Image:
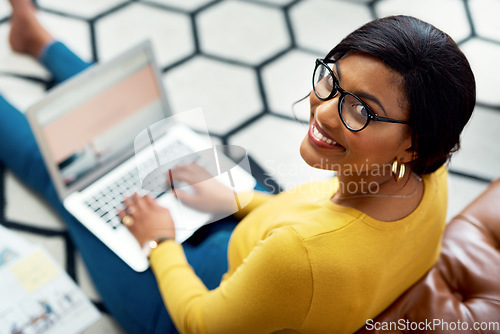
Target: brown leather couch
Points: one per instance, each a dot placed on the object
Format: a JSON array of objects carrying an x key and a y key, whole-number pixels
[{"x": 461, "y": 293}]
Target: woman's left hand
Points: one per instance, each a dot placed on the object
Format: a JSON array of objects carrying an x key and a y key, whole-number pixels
[{"x": 145, "y": 219}]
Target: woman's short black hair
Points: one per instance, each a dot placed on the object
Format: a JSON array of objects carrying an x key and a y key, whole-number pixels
[{"x": 438, "y": 81}]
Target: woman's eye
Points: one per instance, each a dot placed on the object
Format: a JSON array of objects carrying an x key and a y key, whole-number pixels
[{"x": 360, "y": 109}]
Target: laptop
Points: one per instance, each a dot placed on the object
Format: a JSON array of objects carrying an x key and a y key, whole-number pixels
[{"x": 109, "y": 132}]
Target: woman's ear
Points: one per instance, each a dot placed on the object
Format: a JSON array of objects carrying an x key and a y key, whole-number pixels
[
  {"x": 414, "y": 155},
  {"x": 409, "y": 155}
]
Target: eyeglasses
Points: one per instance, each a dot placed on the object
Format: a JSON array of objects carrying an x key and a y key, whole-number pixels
[{"x": 354, "y": 113}]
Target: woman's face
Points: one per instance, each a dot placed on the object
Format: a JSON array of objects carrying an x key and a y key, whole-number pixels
[{"x": 376, "y": 146}]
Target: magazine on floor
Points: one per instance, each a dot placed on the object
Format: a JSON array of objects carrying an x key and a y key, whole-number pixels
[{"x": 37, "y": 295}]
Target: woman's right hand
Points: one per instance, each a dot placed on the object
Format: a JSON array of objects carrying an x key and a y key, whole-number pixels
[{"x": 206, "y": 193}]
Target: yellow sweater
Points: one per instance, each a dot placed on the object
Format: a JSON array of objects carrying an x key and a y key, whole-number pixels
[{"x": 301, "y": 264}]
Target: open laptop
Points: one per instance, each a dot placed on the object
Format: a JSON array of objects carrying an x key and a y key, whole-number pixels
[{"x": 89, "y": 131}]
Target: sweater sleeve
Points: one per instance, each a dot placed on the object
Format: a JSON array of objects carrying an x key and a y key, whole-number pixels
[
  {"x": 251, "y": 200},
  {"x": 270, "y": 291}
]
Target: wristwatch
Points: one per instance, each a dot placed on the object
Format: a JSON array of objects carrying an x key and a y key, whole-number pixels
[{"x": 152, "y": 244}]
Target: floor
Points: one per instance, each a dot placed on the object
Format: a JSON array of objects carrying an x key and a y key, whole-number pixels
[{"x": 244, "y": 63}]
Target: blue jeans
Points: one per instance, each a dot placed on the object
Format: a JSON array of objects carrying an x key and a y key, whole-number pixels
[{"x": 132, "y": 298}]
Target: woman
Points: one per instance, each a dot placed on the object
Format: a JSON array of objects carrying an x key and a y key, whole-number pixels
[{"x": 388, "y": 105}]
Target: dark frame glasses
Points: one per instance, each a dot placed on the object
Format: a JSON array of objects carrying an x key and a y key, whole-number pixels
[{"x": 354, "y": 113}]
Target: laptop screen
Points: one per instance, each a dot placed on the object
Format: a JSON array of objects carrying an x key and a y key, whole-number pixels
[{"x": 94, "y": 121}]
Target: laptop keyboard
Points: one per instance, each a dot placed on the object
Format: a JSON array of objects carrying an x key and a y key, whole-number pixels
[{"x": 105, "y": 201}]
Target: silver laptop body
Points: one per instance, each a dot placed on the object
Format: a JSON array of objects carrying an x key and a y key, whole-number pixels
[{"x": 86, "y": 128}]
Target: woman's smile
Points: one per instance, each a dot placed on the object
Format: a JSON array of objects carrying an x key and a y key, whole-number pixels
[{"x": 318, "y": 137}]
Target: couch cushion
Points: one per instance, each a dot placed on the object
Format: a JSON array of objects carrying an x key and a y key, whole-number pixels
[{"x": 462, "y": 291}]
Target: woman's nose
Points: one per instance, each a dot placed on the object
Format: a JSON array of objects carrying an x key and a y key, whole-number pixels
[{"x": 327, "y": 112}]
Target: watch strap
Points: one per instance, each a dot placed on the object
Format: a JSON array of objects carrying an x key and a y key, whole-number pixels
[{"x": 154, "y": 243}]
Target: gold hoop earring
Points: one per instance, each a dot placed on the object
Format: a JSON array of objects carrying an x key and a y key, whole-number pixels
[{"x": 398, "y": 170}]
